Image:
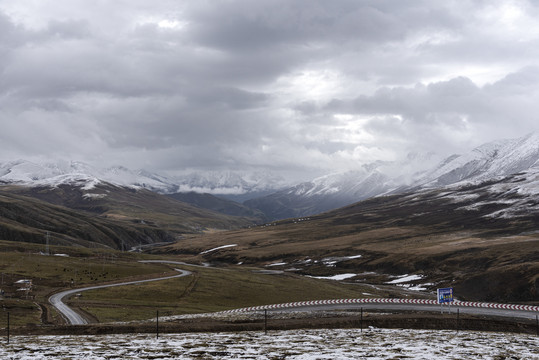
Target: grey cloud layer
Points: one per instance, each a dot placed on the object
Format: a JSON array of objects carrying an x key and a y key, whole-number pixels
[{"x": 307, "y": 86}]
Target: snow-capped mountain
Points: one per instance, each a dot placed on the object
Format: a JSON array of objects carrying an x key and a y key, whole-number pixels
[
  {"x": 80, "y": 174},
  {"x": 485, "y": 163},
  {"x": 23, "y": 172},
  {"x": 229, "y": 183},
  {"x": 489, "y": 161},
  {"x": 344, "y": 188},
  {"x": 511, "y": 196},
  {"x": 323, "y": 193}
]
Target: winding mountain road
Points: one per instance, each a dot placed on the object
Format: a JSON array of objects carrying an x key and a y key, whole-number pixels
[
  {"x": 74, "y": 318},
  {"x": 487, "y": 309}
]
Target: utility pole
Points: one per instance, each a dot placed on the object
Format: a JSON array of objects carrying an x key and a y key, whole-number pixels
[
  {"x": 47, "y": 246},
  {"x": 157, "y": 324}
]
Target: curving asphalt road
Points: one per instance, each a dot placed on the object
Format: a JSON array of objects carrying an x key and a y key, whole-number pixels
[
  {"x": 487, "y": 309},
  {"x": 515, "y": 314},
  {"x": 74, "y": 318},
  {"x": 474, "y": 308}
]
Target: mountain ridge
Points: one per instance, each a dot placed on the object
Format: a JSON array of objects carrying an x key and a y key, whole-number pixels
[
  {"x": 29, "y": 173},
  {"x": 479, "y": 238},
  {"x": 487, "y": 161}
]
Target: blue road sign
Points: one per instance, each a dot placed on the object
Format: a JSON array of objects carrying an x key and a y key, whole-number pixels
[{"x": 445, "y": 295}]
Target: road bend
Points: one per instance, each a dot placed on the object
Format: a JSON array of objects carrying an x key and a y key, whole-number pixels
[{"x": 74, "y": 318}]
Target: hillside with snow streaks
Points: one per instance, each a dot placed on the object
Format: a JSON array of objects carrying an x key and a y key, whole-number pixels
[
  {"x": 487, "y": 162},
  {"x": 78, "y": 174},
  {"x": 495, "y": 159},
  {"x": 271, "y": 195}
]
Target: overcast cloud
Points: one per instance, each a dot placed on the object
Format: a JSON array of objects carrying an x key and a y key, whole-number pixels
[{"x": 299, "y": 88}]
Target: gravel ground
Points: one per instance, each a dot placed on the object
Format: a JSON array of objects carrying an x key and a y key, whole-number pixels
[{"x": 372, "y": 343}]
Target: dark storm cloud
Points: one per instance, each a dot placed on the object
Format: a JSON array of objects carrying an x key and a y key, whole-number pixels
[
  {"x": 447, "y": 113},
  {"x": 311, "y": 85},
  {"x": 248, "y": 26}
]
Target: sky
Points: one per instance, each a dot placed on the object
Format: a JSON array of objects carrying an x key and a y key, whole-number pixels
[{"x": 298, "y": 88}]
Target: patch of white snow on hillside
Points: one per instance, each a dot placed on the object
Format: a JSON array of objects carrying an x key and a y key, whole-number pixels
[
  {"x": 405, "y": 278},
  {"x": 331, "y": 261},
  {"x": 335, "y": 277},
  {"x": 91, "y": 184},
  {"x": 93, "y": 196},
  {"x": 456, "y": 198},
  {"x": 420, "y": 287},
  {"x": 478, "y": 205},
  {"x": 276, "y": 264},
  {"x": 217, "y": 248}
]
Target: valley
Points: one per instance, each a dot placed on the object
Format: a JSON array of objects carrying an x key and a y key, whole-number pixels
[
  {"x": 440, "y": 236},
  {"x": 470, "y": 223},
  {"x": 206, "y": 289}
]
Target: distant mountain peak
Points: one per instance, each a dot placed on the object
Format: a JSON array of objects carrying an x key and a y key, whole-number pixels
[
  {"x": 79, "y": 173},
  {"x": 490, "y": 160}
]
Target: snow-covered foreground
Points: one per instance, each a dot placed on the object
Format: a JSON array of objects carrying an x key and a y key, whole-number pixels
[{"x": 297, "y": 344}]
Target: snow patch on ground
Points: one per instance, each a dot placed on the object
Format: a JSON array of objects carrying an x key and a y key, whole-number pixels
[
  {"x": 276, "y": 264},
  {"x": 457, "y": 198},
  {"x": 217, "y": 248},
  {"x": 405, "y": 279},
  {"x": 331, "y": 261},
  {"x": 93, "y": 196},
  {"x": 335, "y": 277},
  {"x": 342, "y": 344},
  {"x": 420, "y": 287}
]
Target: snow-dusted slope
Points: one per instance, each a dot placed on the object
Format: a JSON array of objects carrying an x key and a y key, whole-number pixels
[
  {"x": 23, "y": 172},
  {"x": 340, "y": 189},
  {"x": 84, "y": 175},
  {"x": 509, "y": 197},
  {"x": 498, "y": 158},
  {"x": 229, "y": 183},
  {"x": 487, "y": 162}
]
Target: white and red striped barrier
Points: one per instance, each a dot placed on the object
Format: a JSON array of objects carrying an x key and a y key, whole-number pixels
[{"x": 382, "y": 301}]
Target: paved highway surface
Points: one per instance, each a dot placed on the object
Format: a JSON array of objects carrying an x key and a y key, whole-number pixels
[
  {"x": 487, "y": 309},
  {"x": 73, "y": 318},
  {"x": 520, "y": 314}
]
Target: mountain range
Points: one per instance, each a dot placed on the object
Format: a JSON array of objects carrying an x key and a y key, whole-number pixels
[
  {"x": 478, "y": 235},
  {"x": 52, "y": 173},
  {"x": 481, "y": 239},
  {"x": 469, "y": 222},
  {"x": 489, "y": 161}
]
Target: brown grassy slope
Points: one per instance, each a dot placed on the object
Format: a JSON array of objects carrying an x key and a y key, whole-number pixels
[
  {"x": 106, "y": 215},
  {"x": 484, "y": 258},
  {"x": 205, "y": 290}
]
